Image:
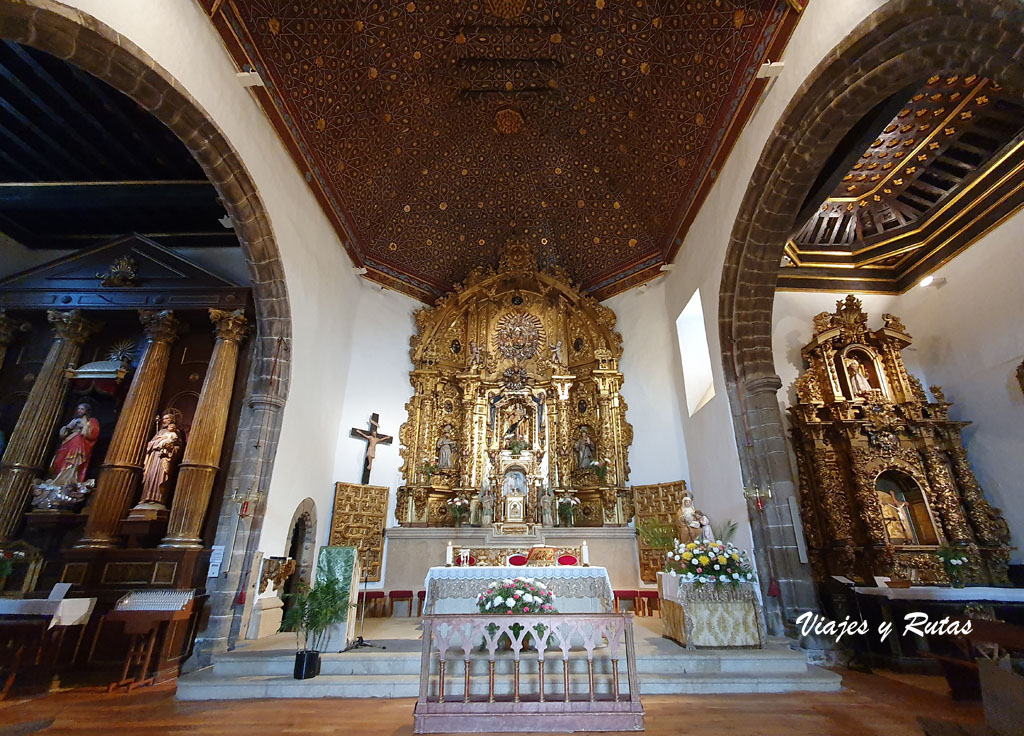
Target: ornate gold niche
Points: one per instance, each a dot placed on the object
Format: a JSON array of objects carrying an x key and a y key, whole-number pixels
[
  {"x": 884, "y": 476},
  {"x": 510, "y": 371}
]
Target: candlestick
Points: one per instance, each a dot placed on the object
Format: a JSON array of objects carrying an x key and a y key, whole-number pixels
[
  {"x": 586, "y": 554},
  {"x": 448, "y": 555}
]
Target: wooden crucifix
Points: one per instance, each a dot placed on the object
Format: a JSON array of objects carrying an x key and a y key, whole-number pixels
[{"x": 373, "y": 438}]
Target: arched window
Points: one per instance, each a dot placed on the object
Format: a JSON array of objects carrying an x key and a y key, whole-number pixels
[{"x": 904, "y": 510}]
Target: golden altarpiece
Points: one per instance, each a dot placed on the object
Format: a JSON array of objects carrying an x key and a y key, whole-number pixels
[
  {"x": 516, "y": 395},
  {"x": 884, "y": 476}
]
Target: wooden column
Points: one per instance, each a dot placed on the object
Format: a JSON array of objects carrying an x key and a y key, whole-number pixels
[
  {"x": 122, "y": 465},
  {"x": 8, "y": 328},
  {"x": 23, "y": 459},
  {"x": 202, "y": 453}
]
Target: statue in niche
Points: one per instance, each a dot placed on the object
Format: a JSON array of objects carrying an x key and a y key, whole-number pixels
[
  {"x": 475, "y": 354},
  {"x": 896, "y": 519},
  {"x": 445, "y": 446},
  {"x": 514, "y": 484},
  {"x": 585, "y": 449},
  {"x": 162, "y": 455},
  {"x": 547, "y": 507},
  {"x": 486, "y": 506},
  {"x": 687, "y": 523},
  {"x": 857, "y": 375},
  {"x": 78, "y": 437}
]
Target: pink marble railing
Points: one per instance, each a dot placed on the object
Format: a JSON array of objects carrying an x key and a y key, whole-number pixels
[{"x": 511, "y": 655}]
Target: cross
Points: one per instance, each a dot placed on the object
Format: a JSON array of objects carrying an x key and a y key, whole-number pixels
[{"x": 372, "y": 439}]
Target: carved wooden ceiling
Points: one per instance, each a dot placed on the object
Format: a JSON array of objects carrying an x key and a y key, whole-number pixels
[
  {"x": 435, "y": 132},
  {"x": 945, "y": 170}
]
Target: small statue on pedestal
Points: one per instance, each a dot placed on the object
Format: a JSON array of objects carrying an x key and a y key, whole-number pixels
[
  {"x": 445, "y": 446},
  {"x": 547, "y": 507},
  {"x": 162, "y": 455},
  {"x": 67, "y": 485},
  {"x": 687, "y": 523},
  {"x": 487, "y": 503}
]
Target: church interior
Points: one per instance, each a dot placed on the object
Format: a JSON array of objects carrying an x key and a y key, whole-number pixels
[{"x": 521, "y": 365}]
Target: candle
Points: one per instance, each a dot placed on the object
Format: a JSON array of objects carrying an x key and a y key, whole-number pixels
[
  {"x": 586, "y": 553},
  {"x": 448, "y": 555}
]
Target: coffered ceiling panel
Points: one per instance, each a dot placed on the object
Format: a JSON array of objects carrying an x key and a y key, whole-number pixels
[{"x": 433, "y": 133}]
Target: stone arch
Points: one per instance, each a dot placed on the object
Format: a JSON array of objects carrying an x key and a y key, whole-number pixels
[
  {"x": 902, "y": 42},
  {"x": 101, "y": 51}
]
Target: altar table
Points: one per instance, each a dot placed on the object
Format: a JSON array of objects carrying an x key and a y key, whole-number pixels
[
  {"x": 710, "y": 615},
  {"x": 576, "y": 589}
]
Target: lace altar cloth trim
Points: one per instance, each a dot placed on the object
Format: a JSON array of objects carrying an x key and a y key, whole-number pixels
[
  {"x": 711, "y": 616},
  {"x": 565, "y": 582}
]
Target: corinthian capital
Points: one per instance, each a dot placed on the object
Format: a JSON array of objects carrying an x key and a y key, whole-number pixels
[
  {"x": 160, "y": 326},
  {"x": 230, "y": 326},
  {"x": 71, "y": 325},
  {"x": 8, "y": 328}
]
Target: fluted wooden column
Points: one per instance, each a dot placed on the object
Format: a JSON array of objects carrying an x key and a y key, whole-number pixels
[
  {"x": 122, "y": 465},
  {"x": 8, "y": 328},
  {"x": 23, "y": 458},
  {"x": 202, "y": 453}
]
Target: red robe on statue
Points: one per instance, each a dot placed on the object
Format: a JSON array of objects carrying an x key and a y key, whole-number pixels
[{"x": 72, "y": 458}]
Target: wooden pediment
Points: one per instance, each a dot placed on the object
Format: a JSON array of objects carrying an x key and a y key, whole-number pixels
[{"x": 131, "y": 272}]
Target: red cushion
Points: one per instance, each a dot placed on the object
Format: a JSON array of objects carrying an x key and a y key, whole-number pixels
[
  {"x": 624, "y": 593},
  {"x": 400, "y": 594},
  {"x": 517, "y": 560},
  {"x": 371, "y": 594},
  {"x": 471, "y": 560},
  {"x": 421, "y": 594},
  {"x": 568, "y": 560},
  {"x": 648, "y": 594}
]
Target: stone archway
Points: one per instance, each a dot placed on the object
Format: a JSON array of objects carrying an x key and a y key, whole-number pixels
[
  {"x": 301, "y": 546},
  {"x": 902, "y": 42},
  {"x": 99, "y": 50}
]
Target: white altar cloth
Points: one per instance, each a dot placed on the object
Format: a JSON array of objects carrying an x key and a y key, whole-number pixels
[
  {"x": 935, "y": 593},
  {"x": 576, "y": 589},
  {"x": 64, "y": 612}
]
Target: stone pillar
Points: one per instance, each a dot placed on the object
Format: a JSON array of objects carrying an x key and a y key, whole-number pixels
[
  {"x": 122, "y": 465},
  {"x": 8, "y": 328},
  {"x": 201, "y": 461},
  {"x": 773, "y": 530},
  {"x": 23, "y": 458}
]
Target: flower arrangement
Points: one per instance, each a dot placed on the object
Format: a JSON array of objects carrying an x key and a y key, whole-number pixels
[
  {"x": 709, "y": 563},
  {"x": 601, "y": 469},
  {"x": 428, "y": 470},
  {"x": 516, "y": 595},
  {"x": 7, "y": 559},
  {"x": 953, "y": 561},
  {"x": 567, "y": 506},
  {"x": 458, "y": 507},
  {"x": 517, "y": 445}
]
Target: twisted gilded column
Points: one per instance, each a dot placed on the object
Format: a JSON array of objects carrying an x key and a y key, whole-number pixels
[
  {"x": 8, "y": 328},
  {"x": 123, "y": 463},
  {"x": 201, "y": 461},
  {"x": 23, "y": 458}
]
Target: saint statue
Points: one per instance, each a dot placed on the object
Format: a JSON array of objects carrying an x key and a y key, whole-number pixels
[
  {"x": 78, "y": 437},
  {"x": 515, "y": 483},
  {"x": 475, "y": 356},
  {"x": 858, "y": 377},
  {"x": 896, "y": 519},
  {"x": 584, "y": 449},
  {"x": 445, "y": 445},
  {"x": 556, "y": 353},
  {"x": 547, "y": 507},
  {"x": 687, "y": 523},
  {"x": 162, "y": 454},
  {"x": 487, "y": 504},
  {"x": 707, "y": 534}
]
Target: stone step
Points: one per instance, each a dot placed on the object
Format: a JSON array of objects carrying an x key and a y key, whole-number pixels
[
  {"x": 207, "y": 685},
  {"x": 279, "y": 663}
]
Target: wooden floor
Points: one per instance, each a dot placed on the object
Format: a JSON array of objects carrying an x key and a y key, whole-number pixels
[{"x": 868, "y": 705}]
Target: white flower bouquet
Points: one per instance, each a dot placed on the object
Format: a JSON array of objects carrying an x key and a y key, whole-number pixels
[{"x": 709, "y": 563}]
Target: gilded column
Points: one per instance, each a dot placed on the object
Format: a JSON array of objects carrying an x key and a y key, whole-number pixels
[
  {"x": 8, "y": 329},
  {"x": 23, "y": 459},
  {"x": 201, "y": 461},
  {"x": 944, "y": 498},
  {"x": 122, "y": 465}
]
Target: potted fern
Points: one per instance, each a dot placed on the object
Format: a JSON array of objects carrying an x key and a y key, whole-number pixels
[{"x": 311, "y": 616}]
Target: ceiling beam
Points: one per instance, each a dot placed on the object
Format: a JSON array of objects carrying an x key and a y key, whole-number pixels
[{"x": 15, "y": 196}]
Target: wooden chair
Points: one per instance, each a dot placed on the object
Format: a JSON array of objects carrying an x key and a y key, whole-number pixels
[
  {"x": 421, "y": 597},
  {"x": 624, "y": 595},
  {"x": 648, "y": 600},
  {"x": 372, "y": 600},
  {"x": 399, "y": 595}
]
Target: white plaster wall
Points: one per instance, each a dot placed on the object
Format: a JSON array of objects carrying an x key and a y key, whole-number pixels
[
  {"x": 710, "y": 441},
  {"x": 653, "y": 385},
  {"x": 378, "y": 381},
  {"x": 322, "y": 287},
  {"x": 967, "y": 339}
]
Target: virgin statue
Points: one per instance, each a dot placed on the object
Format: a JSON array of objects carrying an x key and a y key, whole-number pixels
[
  {"x": 687, "y": 524},
  {"x": 515, "y": 483},
  {"x": 584, "y": 449},
  {"x": 77, "y": 440},
  {"x": 162, "y": 453}
]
